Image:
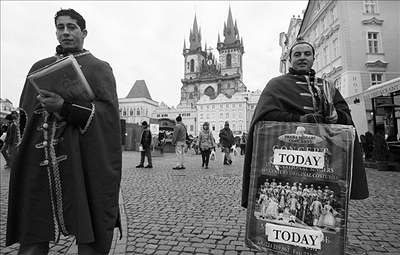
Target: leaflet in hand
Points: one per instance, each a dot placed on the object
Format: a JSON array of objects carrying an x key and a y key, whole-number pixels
[{"x": 65, "y": 78}]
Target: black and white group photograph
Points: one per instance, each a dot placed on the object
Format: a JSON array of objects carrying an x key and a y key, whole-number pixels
[{"x": 164, "y": 127}]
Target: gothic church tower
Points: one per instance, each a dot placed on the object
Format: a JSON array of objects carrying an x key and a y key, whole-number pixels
[
  {"x": 231, "y": 50},
  {"x": 203, "y": 74}
]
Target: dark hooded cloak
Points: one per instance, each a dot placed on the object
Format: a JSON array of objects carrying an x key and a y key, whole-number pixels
[{"x": 71, "y": 185}]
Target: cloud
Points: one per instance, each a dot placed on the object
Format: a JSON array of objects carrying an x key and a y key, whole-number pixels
[{"x": 144, "y": 40}]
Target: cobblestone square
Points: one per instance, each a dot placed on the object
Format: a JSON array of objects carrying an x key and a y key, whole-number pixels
[{"x": 197, "y": 211}]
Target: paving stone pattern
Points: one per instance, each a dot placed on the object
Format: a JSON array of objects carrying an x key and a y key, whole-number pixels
[{"x": 197, "y": 211}]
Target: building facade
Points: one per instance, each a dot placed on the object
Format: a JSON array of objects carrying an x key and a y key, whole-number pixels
[
  {"x": 138, "y": 105},
  {"x": 356, "y": 47},
  {"x": 188, "y": 114},
  {"x": 286, "y": 41},
  {"x": 212, "y": 87}
]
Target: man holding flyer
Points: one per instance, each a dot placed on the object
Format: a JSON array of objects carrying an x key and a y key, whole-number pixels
[
  {"x": 57, "y": 184},
  {"x": 299, "y": 96}
]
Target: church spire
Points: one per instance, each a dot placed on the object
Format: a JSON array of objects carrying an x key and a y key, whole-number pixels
[
  {"x": 195, "y": 36},
  {"x": 230, "y": 29}
]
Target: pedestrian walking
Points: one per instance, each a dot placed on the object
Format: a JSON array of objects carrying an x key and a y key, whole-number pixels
[
  {"x": 145, "y": 144},
  {"x": 179, "y": 140},
  {"x": 243, "y": 141},
  {"x": 226, "y": 140},
  {"x": 66, "y": 175},
  {"x": 206, "y": 143},
  {"x": 300, "y": 96}
]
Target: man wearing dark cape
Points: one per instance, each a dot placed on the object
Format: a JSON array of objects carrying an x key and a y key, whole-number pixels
[
  {"x": 67, "y": 172},
  {"x": 299, "y": 96}
]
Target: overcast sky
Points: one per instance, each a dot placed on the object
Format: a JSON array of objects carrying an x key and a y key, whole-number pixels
[{"x": 144, "y": 40}]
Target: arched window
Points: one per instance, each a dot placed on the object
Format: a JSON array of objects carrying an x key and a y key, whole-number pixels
[
  {"x": 228, "y": 60},
  {"x": 192, "y": 65}
]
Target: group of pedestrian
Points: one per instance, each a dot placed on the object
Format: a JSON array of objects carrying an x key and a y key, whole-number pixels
[
  {"x": 205, "y": 142},
  {"x": 66, "y": 173}
]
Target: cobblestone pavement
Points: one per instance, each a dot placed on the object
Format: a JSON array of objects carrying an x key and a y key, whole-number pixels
[{"x": 197, "y": 211}]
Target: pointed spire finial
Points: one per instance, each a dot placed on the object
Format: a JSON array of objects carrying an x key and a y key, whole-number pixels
[
  {"x": 230, "y": 29},
  {"x": 195, "y": 35}
]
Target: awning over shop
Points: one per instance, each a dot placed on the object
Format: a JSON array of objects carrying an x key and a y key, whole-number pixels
[{"x": 383, "y": 88}]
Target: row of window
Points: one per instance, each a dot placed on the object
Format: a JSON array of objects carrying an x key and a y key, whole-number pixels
[
  {"x": 330, "y": 51},
  {"x": 326, "y": 54},
  {"x": 165, "y": 115},
  {"x": 325, "y": 22},
  {"x": 134, "y": 111},
  {"x": 233, "y": 126},
  {"x": 220, "y": 106},
  {"x": 190, "y": 64},
  {"x": 221, "y": 115}
]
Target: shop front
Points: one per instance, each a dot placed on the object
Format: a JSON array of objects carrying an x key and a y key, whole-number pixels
[
  {"x": 385, "y": 112},
  {"x": 384, "y": 115}
]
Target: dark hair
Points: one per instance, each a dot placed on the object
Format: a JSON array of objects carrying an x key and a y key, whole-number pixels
[
  {"x": 73, "y": 14},
  {"x": 301, "y": 42},
  {"x": 144, "y": 123},
  {"x": 179, "y": 118}
]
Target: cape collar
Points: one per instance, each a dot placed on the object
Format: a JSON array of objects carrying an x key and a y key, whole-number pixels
[
  {"x": 62, "y": 52},
  {"x": 297, "y": 72}
]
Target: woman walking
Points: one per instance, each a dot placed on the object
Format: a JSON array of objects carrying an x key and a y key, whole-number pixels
[{"x": 206, "y": 142}]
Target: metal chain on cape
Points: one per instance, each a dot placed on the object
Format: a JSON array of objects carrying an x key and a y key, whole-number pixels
[
  {"x": 54, "y": 173},
  {"x": 57, "y": 180},
  {"x": 46, "y": 156}
]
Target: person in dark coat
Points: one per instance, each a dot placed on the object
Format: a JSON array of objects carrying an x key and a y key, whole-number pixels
[
  {"x": 13, "y": 138},
  {"x": 299, "y": 97},
  {"x": 243, "y": 141},
  {"x": 67, "y": 172},
  {"x": 226, "y": 140},
  {"x": 145, "y": 142},
  {"x": 369, "y": 145}
]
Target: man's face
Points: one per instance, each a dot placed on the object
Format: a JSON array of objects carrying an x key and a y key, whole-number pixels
[
  {"x": 69, "y": 34},
  {"x": 302, "y": 57}
]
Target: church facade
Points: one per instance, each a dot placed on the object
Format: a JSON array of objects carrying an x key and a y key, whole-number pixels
[
  {"x": 204, "y": 74},
  {"x": 212, "y": 87}
]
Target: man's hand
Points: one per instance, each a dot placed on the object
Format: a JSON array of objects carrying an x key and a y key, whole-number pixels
[
  {"x": 332, "y": 119},
  {"x": 51, "y": 101},
  {"x": 312, "y": 118}
]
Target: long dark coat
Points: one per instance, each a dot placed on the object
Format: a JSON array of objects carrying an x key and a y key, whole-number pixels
[
  {"x": 89, "y": 168},
  {"x": 285, "y": 99}
]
